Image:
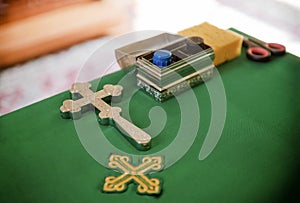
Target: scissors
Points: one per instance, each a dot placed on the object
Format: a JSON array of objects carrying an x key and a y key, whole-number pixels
[{"x": 262, "y": 51}]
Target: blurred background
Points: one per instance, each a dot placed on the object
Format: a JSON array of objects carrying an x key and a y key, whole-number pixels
[{"x": 45, "y": 43}]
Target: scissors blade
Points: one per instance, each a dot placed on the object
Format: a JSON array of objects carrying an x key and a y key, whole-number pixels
[{"x": 247, "y": 43}]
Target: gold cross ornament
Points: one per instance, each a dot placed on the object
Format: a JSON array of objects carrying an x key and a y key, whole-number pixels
[
  {"x": 137, "y": 174},
  {"x": 108, "y": 114}
]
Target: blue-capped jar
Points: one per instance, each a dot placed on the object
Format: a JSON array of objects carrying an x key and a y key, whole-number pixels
[{"x": 162, "y": 58}]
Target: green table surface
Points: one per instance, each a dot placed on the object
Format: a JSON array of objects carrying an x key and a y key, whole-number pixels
[{"x": 256, "y": 159}]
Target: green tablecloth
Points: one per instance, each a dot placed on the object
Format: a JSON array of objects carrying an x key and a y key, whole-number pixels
[{"x": 255, "y": 160}]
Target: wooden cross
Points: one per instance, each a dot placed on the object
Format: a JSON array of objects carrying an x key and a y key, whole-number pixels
[
  {"x": 132, "y": 173},
  {"x": 108, "y": 114}
]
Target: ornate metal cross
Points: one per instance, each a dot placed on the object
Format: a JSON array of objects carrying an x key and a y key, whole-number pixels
[
  {"x": 108, "y": 114},
  {"x": 133, "y": 173}
]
